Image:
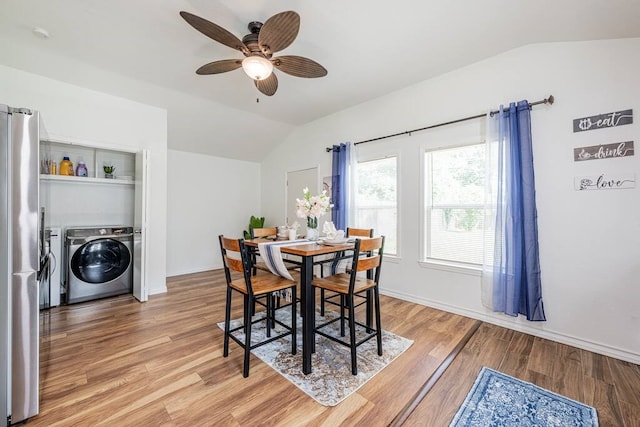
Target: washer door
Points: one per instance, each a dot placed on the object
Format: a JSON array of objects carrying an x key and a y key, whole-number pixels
[{"x": 100, "y": 261}]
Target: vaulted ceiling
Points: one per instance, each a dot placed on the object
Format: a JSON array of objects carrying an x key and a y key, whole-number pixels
[{"x": 143, "y": 50}]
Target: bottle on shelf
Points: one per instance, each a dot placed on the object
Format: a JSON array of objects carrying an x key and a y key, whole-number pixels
[
  {"x": 66, "y": 166},
  {"x": 81, "y": 170},
  {"x": 53, "y": 168}
]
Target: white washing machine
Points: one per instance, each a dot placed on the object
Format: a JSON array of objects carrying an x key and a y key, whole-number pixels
[
  {"x": 55, "y": 249},
  {"x": 99, "y": 262}
]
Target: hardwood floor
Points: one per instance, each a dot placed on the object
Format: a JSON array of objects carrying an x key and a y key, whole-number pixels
[
  {"x": 609, "y": 385},
  {"x": 119, "y": 362}
]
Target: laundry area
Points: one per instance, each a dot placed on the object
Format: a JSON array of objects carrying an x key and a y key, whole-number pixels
[{"x": 87, "y": 195}]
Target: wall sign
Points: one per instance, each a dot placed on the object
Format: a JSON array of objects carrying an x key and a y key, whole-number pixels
[
  {"x": 606, "y": 151},
  {"x": 608, "y": 120},
  {"x": 604, "y": 182}
]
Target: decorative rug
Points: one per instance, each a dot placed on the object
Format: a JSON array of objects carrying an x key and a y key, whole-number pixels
[
  {"x": 497, "y": 399},
  {"x": 331, "y": 380}
]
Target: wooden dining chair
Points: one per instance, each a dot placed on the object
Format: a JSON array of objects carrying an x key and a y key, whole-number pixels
[
  {"x": 359, "y": 232},
  {"x": 267, "y": 232},
  {"x": 333, "y": 298},
  {"x": 236, "y": 259},
  {"x": 367, "y": 257},
  {"x": 264, "y": 232}
]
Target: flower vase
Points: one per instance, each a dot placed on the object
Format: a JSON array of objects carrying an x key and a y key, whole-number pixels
[
  {"x": 313, "y": 234},
  {"x": 312, "y": 229}
]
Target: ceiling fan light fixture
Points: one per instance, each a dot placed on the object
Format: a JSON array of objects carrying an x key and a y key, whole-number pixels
[
  {"x": 276, "y": 34},
  {"x": 257, "y": 67}
]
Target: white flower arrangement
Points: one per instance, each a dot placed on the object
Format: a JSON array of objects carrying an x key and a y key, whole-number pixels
[{"x": 312, "y": 207}]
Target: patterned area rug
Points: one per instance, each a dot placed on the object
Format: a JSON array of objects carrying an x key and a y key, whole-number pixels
[
  {"x": 497, "y": 399},
  {"x": 331, "y": 380}
]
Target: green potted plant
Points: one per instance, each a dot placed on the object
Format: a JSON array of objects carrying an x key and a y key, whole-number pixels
[
  {"x": 108, "y": 170},
  {"x": 254, "y": 222}
]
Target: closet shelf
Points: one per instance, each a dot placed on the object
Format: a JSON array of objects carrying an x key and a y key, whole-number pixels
[{"x": 86, "y": 180}]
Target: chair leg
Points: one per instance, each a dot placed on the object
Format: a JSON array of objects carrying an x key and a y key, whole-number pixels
[
  {"x": 275, "y": 305},
  {"x": 369, "y": 296},
  {"x": 342, "y": 303},
  {"x": 294, "y": 321},
  {"x": 227, "y": 320},
  {"x": 352, "y": 335},
  {"x": 247, "y": 334},
  {"x": 269, "y": 314},
  {"x": 376, "y": 296}
]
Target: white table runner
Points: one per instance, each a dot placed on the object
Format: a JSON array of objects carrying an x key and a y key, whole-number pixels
[{"x": 272, "y": 257}]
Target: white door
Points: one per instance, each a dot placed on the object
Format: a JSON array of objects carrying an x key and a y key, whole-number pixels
[
  {"x": 296, "y": 182},
  {"x": 140, "y": 288}
]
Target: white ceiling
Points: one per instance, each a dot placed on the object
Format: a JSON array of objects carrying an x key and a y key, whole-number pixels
[{"x": 143, "y": 50}]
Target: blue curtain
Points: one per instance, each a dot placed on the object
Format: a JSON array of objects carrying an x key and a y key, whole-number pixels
[
  {"x": 339, "y": 183},
  {"x": 517, "y": 287}
]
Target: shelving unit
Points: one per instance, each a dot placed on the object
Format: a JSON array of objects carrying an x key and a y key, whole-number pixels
[
  {"x": 94, "y": 159},
  {"x": 78, "y": 201}
]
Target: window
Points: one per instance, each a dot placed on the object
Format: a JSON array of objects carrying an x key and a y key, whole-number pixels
[
  {"x": 454, "y": 200},
  {"x": 376, "y": 199}
]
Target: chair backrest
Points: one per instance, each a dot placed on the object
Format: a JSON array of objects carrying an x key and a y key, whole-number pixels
[
  {"x": 264, "y": 232},
  {"x": 367, "y": 255},
  {"x": 235, "y": 257},
  {"x": 359, "y": 232}
]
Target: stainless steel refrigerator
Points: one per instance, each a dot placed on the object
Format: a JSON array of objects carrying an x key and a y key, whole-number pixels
[{"x": 22, "y": 258}]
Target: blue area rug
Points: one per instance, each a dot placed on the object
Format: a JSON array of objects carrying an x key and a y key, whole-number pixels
[{"x": 497, "y": 399}]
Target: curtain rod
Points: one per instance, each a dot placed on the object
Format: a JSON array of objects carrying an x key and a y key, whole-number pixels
[{"x": 548, "y": 100}]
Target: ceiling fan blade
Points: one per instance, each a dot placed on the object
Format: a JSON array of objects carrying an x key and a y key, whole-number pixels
[
  {"x": 217, "y": 67},
  {"x": 214, "y": 31},
  {"x": 299, "y": 66},
  {"x": 278, "y": 32},
  {"x": 267, "y": 86}
]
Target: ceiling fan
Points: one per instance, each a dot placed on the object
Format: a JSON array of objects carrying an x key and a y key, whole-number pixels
[{"x": 258, "y": 47}]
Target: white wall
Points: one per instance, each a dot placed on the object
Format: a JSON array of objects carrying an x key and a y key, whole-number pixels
[
  {"x": 208, "y": 196},
  {"x": 589, "y": 241},
  {"x": 74, "y": 114},
  {"x": 82, "y": 204}
]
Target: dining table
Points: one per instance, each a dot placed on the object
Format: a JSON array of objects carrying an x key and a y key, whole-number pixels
[{"x": 307, "y": 252}]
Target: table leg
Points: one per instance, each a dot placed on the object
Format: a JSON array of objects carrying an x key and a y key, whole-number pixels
[{"x": 308, "y": 313}]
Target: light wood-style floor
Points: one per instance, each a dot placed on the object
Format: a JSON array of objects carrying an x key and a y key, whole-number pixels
[{"x": 119, "y": 362}]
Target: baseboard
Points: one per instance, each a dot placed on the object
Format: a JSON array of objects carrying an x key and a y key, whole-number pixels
[
  {"x": 156, "y": 291},
  {"x": 193, "y": 271},
  {"x": 594, "y": 347}
]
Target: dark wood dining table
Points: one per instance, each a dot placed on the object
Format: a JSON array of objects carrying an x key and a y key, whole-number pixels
[{"x": 307, "y": 253}]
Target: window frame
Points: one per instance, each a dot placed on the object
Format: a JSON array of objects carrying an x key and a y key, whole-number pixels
[
  {"x": 426, "y": 205},
  {"x": 367, "y": 155}
]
